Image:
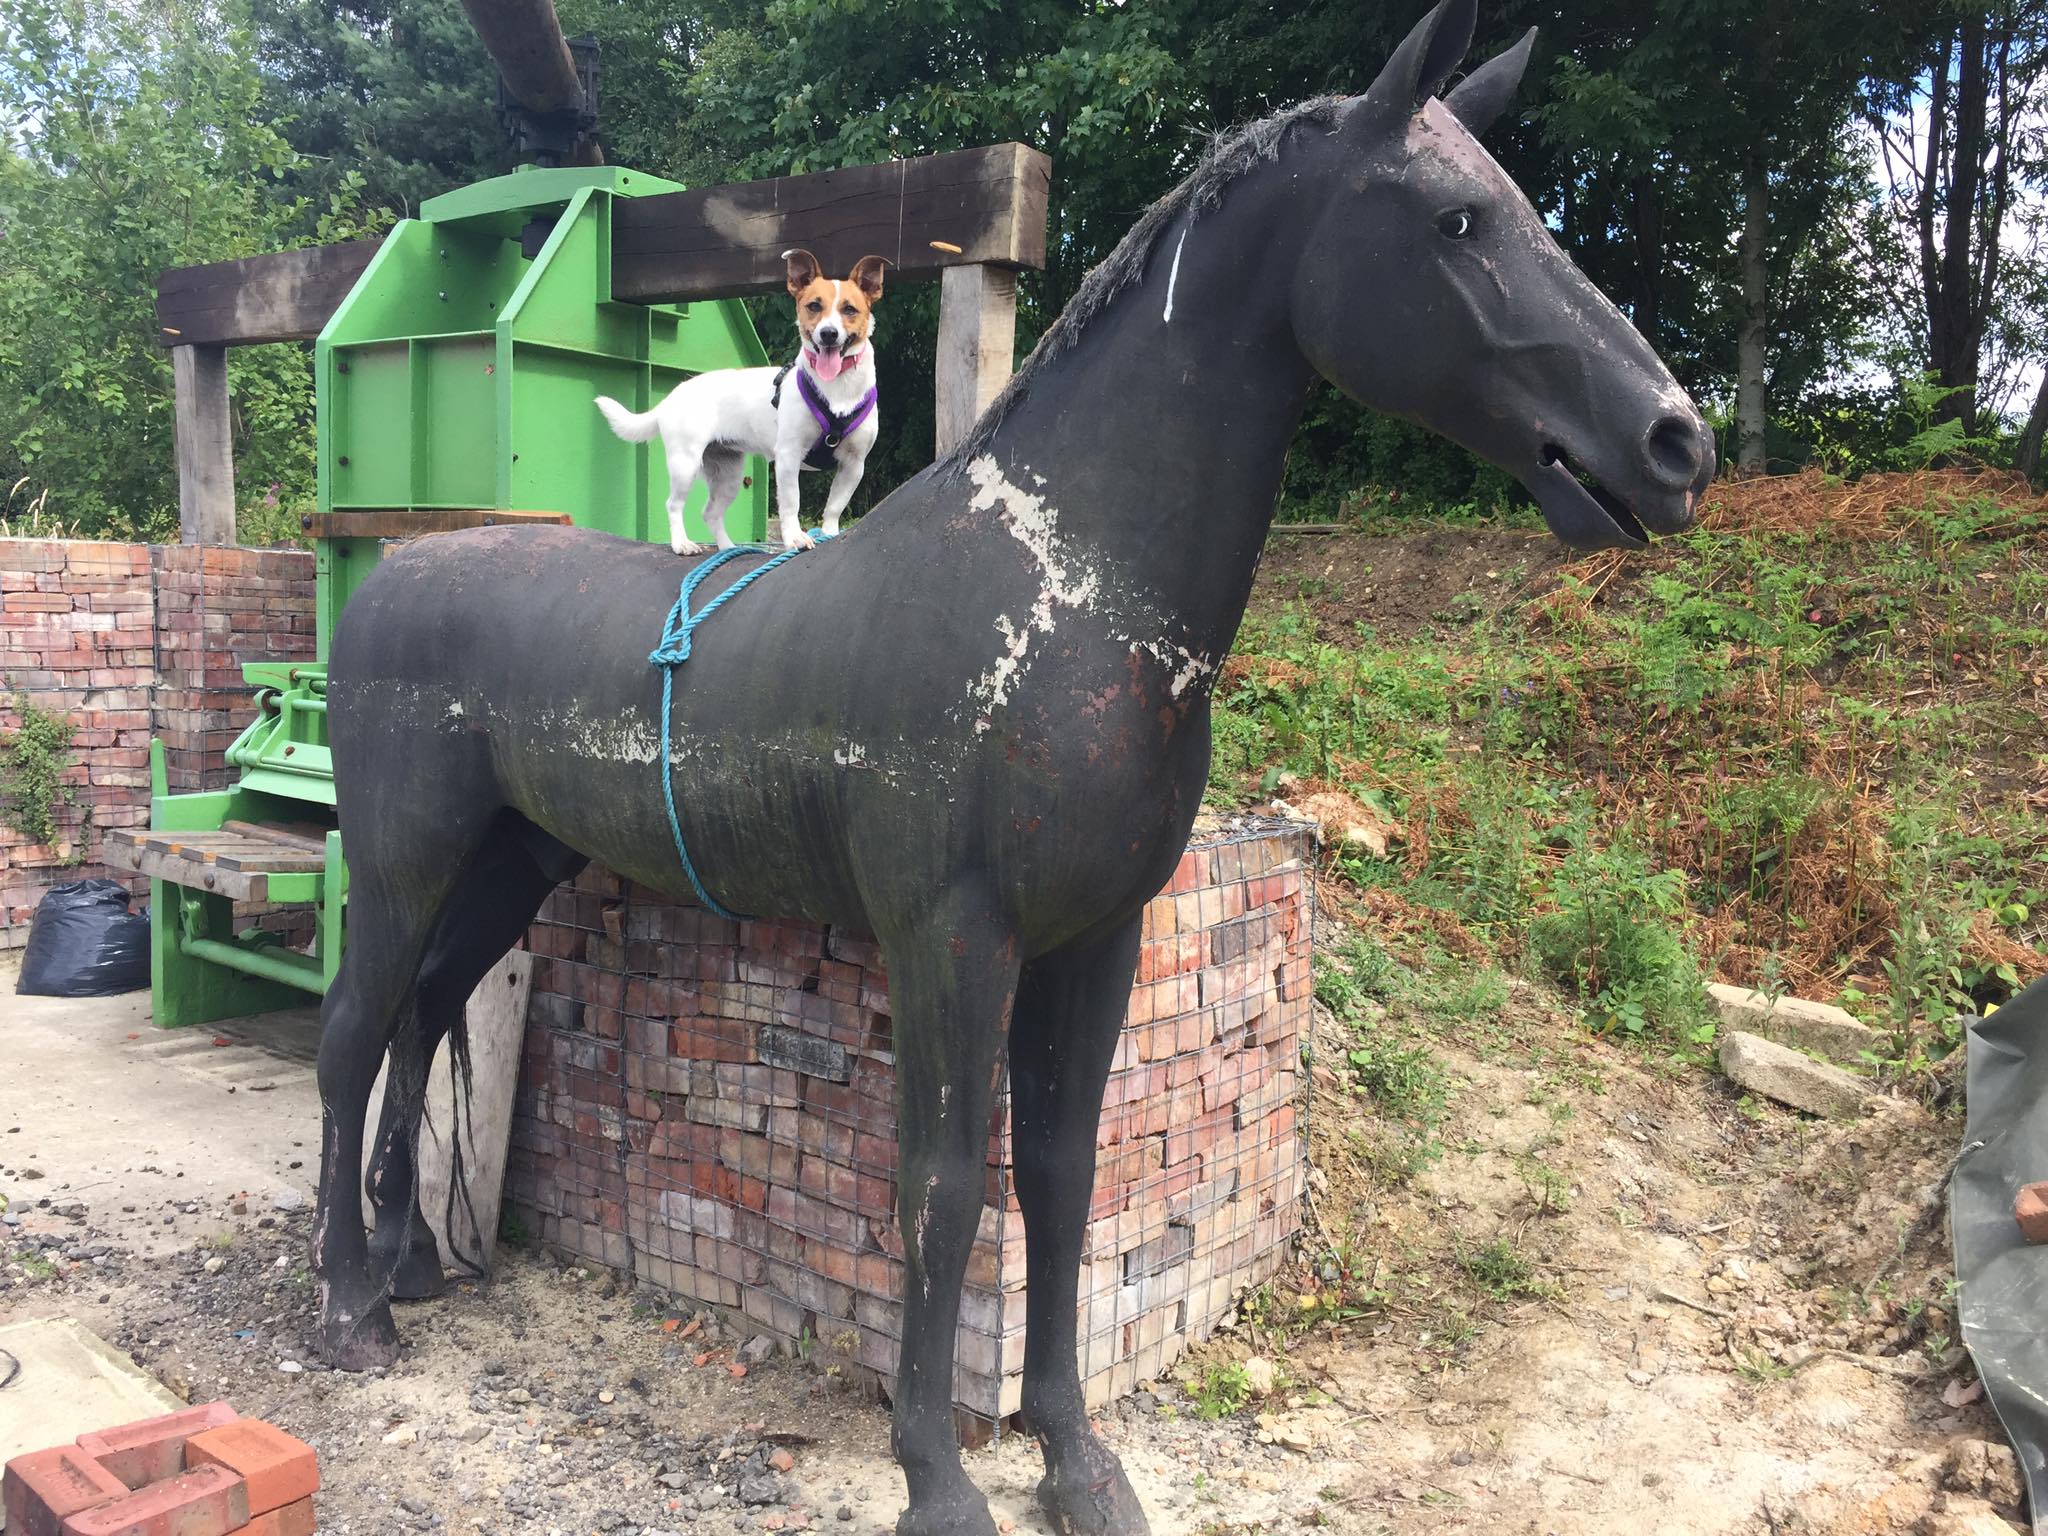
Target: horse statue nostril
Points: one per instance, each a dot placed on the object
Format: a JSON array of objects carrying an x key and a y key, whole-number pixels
[{"x": 1675, "y": 449}]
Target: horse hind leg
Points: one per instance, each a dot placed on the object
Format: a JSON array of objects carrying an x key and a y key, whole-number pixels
[
  {"x": 401, "y": 879},
  {"x": 485, "y": 914},
  {"x": 1070, "y": 1011},
  {"x": 389, "y": 921}
]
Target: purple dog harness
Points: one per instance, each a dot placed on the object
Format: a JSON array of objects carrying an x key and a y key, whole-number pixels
[{"x": 833, "y": 428}]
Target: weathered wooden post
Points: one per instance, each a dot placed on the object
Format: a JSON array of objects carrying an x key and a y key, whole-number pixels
[
  {"x": 206, "y": 460},
  {"x": 977, "y": 344},
  {"x": 201, "y": 312}
]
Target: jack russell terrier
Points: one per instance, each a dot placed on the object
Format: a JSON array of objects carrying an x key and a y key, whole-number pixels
[{"x": 710, "y": 423}]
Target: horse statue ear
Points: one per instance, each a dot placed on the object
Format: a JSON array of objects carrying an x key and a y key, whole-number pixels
[
  {"x": 1423, "y": 62},
  {"x": 1481, "y": 96}
]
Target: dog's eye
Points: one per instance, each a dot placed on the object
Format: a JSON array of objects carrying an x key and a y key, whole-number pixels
[
  {"x": 815, "y": 305},
  {"x": 1456, "y": 224},
  {"x": 848, "y": 310}
]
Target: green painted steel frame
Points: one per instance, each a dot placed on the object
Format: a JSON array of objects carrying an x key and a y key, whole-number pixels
[
  {"x": 457, "y": 374},
  {"x": 200, "y": 968}
]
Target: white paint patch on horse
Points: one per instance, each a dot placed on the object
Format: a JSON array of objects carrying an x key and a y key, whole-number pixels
[
  {"x": 1173, "y": 276},
  {"x": 1189, "y": 668},
  {"x": 624, "y": 738},
  {"x": 1035, "y": 525}
]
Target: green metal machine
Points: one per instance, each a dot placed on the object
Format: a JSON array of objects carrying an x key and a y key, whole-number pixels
[{"x": 454, "y": 388}]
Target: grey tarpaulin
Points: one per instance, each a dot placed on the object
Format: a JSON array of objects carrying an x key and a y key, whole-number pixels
[{"x": 2004, "y": 1281}]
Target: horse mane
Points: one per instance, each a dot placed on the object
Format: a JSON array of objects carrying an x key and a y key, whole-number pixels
[{"x": 1227, "y": 157}]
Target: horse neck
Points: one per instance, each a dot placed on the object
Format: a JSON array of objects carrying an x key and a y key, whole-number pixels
[{"x": 1161, "y": 432}]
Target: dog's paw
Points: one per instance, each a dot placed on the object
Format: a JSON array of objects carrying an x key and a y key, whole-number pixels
[
  {"x": 798, "y": 540},
  {"x": 688, "y": 547}
]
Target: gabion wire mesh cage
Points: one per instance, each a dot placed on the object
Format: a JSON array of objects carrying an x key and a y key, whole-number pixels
[{"x": 710, "y": 1106}]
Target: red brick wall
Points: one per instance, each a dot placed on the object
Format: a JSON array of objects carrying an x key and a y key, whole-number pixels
[
  {"x": 127, "y": 641},
  {"x": 711, "y": 1105},
  {"x": 216, "y": 609}
]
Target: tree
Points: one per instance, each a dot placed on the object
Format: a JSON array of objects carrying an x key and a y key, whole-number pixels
[
  {"x": 136, "y": 142},
  {"x": 1953, "y": 131},
  {"x": 395, "y": 93}
]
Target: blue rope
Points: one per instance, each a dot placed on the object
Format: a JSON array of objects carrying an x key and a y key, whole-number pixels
[{"x": 673, "y": 651}]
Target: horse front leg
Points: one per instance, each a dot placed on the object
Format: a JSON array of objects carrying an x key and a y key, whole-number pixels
[
  {"x": 1070, "y": 1011},
  {"x": 952, "y": 979}
]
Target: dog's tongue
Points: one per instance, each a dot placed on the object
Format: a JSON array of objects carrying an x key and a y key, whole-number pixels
[{"x": 826, "y": 365}]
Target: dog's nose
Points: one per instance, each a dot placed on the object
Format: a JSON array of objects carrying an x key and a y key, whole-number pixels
[{"x": 829, "y": 335}]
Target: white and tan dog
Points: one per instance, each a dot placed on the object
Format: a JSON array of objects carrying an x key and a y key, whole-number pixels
[{"x": 818, "y": 413}]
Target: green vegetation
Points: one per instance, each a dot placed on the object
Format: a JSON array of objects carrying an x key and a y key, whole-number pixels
[
  {"x": 1221, "y": 1390},
  {"x": 135, "y": 141},
  {"x": 169, "y": 131},
  {"x": 34, "y": 758},
  {"x": 1388, "y": 1062},
  {"x": 1503, "y": 1274},
  {"x": 1796, "y": 750}
]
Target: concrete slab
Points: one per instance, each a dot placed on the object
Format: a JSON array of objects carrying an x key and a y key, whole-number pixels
[
  {"x": 70, "y": 1380},
  {"x": 97, "y": 1102}
]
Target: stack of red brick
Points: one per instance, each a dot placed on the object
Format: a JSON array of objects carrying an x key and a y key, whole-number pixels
[
  {"x": 202, "y": 1471},
  {"x": 711, "y": 1105},
  {"x": 126, "y": 642}
]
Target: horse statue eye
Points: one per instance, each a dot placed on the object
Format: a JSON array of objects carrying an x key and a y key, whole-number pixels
[{"x": 1456, "y": 224}]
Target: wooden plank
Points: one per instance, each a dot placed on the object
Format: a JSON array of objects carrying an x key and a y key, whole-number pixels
[
  {"x": 205, "y": 450},
  {"x": 231, "y": 851},
  {"x": 977, "y": 343},
  {"x": 720, "y": 242},
  {"x": 409, "y": 523},
  {"x": 305, "y": 836},
  {"x": 118, "y": 852},
  {"x": 284, "y": 296},
  {"x": 496, "y": 1020}
]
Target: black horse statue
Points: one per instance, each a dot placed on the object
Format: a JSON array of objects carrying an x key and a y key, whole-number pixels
[{"x": 977, "y": 725}]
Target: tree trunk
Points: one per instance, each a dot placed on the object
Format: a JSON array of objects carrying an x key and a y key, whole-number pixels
[
  {"x": 1646, "y": 231},
  {"x": 1956, "y": 333},
  {"x": 1749, "y": 345},
  {"x": 2026, "y": 457}
]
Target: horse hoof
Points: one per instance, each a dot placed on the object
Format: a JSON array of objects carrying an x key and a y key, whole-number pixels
[
  {"x": 358, "y": 1338},
  {"x": 962, "y": 1514},
  {"x": 1090, "y": 1496},
  {"x": 419, "y": 1277}
]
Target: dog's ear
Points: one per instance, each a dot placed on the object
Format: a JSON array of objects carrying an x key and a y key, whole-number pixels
[
  {"x": 867, "y": 276},
  {"x": 802, "y": 268}
]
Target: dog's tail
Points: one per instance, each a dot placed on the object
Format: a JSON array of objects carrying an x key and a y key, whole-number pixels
[{"x": 633, "y": 426}]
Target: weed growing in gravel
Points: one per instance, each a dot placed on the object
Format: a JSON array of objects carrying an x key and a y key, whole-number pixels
[
  {"x": 1221, "y": 1390},
  {"x": 1502, "y": 1273}
]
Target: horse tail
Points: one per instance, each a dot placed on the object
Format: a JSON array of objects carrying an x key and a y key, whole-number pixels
[{"x": 634, "y": 427}]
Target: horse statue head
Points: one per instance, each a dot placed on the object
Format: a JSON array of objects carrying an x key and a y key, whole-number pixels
[{"x": 1430, "y": 289}]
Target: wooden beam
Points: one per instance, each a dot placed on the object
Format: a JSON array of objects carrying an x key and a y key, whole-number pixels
[
  {"x": 206, "y": 461},
  {"x": 719, "y": 242},
  {"x": 411, "y": 523},
  {"x": 286, "y": 296},
  {"x": 977, "y": 343},
  {"x": 524, "y": 39}
]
